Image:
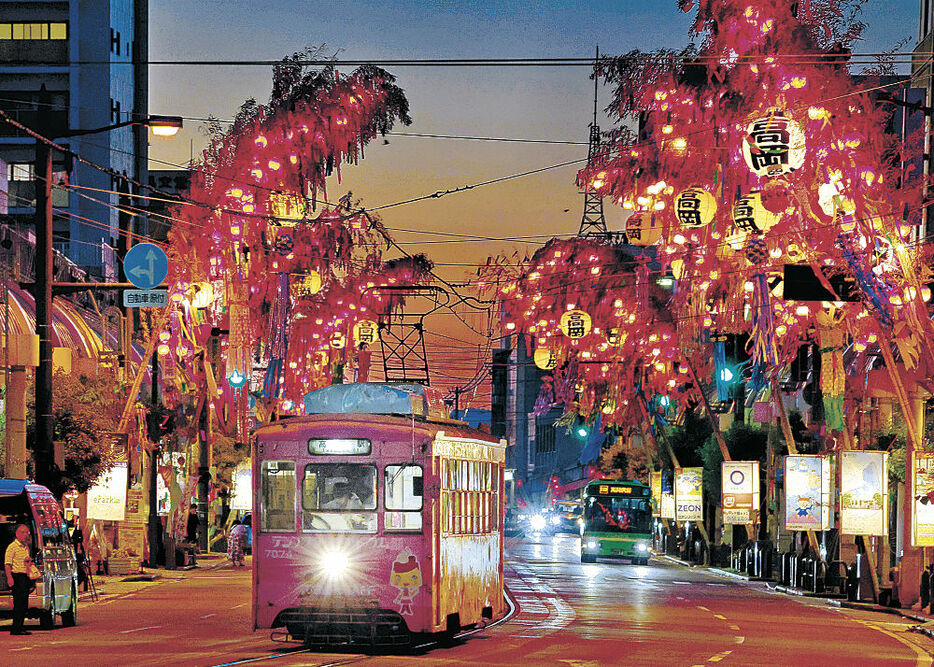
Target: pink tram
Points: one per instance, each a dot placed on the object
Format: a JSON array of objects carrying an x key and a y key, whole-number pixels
[{"x": 376, "y": 518}]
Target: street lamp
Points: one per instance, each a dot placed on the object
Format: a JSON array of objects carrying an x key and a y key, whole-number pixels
[{"x": 42, "y": 287}]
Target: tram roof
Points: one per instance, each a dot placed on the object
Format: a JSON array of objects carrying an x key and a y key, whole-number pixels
[{"x": 377, "y": 398}]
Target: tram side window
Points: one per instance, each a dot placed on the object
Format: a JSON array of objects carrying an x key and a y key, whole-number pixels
[
  {"x": 403, "y": 490},
  {"x": 469, "y": 497},
  {"x": 278, "y": 496}
]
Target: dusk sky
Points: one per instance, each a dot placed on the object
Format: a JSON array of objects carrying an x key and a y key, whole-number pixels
[{"x": 552, "y": 103}]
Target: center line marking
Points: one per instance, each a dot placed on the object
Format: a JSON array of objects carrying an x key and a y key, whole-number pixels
[
  {"x": 722, "y": 618},
  {"x": 148, "y": 627},
  {"x": 702, "y": 608}
]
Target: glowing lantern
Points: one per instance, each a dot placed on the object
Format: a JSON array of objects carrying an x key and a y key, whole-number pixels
[
  {"x": 287, "y": 208},
  {"x": 615, "y": 337},
  {"x": 641, "y": 229},
  {"x": 749, "y": 215},
  {"x": 311, "y": 283},
  {"x": 545, "y": 359},
  {"x": 337, "y": 340},
  {"x": 575, "y": 324},
  {"x": 201, "y": 295},
  {"x": 365, "y": 332},
  {"x": 773, "y": 145},
  {"x": 831, "y": 200},
  {"x": 695, "y": 207}
]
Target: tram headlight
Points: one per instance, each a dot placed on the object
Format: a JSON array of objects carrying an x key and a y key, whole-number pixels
[
  {"x": 592, "y": 545},
  {"x": 537, "y": 522},
  {"x": 641, "y": 547},
  {"x": 335, "y": 563}
]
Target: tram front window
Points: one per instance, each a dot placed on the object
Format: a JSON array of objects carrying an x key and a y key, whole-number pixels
[{"x": 339, "y": 497}]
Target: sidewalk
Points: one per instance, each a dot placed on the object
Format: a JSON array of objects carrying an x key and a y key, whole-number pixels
[
  {"x": 110, "y": 586},
  {"x": 925, "y": 619}
]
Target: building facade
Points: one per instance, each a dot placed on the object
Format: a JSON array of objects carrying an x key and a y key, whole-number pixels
[{"x": 67, "y": 66}]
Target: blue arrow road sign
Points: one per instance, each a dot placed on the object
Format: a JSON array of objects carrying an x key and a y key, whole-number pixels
[{"x": 146, "y": 265}]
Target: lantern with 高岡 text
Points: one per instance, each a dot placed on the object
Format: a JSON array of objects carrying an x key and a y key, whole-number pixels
[
  {"x": 575, "y": 324},
  {"x": 642, "y": 230},
  {"x": 773, "y": 145},
  {"x": 750, "y": 216},
  {"x": 695, "y": 207},
  {"x": 365, "y": 332}
]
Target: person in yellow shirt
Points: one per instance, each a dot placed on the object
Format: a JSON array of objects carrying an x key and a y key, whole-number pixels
[{"x": 16, "y": 563}]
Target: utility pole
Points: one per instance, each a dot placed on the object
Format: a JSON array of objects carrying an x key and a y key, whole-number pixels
[{"x": 42, "y": 292}]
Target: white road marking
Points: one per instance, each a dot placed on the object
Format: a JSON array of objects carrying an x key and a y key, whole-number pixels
[
  {"x": 734, "y": 627},
  {"x": 208, "y": 615},
  {"x": 25, "y": 648},
  {"x": 682, "y": 583},
  {"x": 148, "y": 627},
  {"x": 238, "y": 605},
  {"x": 739, "y": 640}
]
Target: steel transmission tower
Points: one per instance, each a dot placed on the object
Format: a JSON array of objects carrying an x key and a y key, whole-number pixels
[{"x": 593, "y": 223}]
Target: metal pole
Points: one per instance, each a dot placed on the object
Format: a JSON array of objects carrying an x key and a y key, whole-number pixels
[
  {"x": 155, "y": 525},
  {"x": 42, "y": 292}
]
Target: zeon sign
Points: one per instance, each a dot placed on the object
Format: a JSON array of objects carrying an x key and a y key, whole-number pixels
[{"x": 740, "y": 491}]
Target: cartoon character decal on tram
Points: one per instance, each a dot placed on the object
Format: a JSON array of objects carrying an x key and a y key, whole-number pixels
[{"x": 407, "y": 577}]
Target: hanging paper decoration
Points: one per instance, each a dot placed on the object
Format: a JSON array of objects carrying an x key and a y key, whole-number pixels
[
  {"x": 695, "y": 207},
  {"x": 750, "y": 216},
  {"x": 365, "y": 332},
  {"x": 201, "y": 295},
  {"x": 337, "y": 341},
  {"x": 311, "y": 283},
  {"x": 773, "y": 145},
  {"x": 831, "y": 200},
  {"x": 278, "y": 338},
  {"x": 615, "y": 336},
  {"x": 545, "y": 358},
  {"x": 286, "y": 209},
  {"x": 642, "y": 230},
  {"x": 575, "y": 324}
]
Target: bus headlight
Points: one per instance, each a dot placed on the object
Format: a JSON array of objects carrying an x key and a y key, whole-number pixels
[
  {"x": 335, "y": 564},
  {"x": 641, "y": 547},
  {"x": 537, "y": 522},
  {"x": 592, "y": 545},
  {"x": 555, "y": 520}
]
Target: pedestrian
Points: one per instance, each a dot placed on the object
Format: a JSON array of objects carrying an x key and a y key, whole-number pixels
[
  {"x": 236, "y": 542},
  {"x": 925, "y": 587},
  {"x": 191, "y": 528},
  {"x": 931, "y": 590},
  {"x": 17, "y": 563}
]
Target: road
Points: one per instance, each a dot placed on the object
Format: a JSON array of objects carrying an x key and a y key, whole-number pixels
[{"x": 568, "y": 613}]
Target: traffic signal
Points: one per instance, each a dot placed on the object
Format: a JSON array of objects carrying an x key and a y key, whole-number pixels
[{"x": 581, "y": 428}]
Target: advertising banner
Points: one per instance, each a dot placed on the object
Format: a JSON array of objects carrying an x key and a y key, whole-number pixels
[
  {"x": 863, "y": 492},
  {"x": 655, "y": 484},
  {"x": 922, "y": 494},
  {"x": 689, "y": 492},
  {"x": 740, "y": 491},
  {"x": 132, "y": 530},
  {"x": 242, "y": 496},
  {"x": 107, "y": 498},
  {"x": 667, "y": 508},
  {"x": 807, "y": 493}
]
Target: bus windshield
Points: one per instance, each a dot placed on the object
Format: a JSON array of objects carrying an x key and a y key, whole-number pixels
[{"x": 619, "y": 515}]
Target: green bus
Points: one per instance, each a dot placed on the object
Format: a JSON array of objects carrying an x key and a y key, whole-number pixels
[{"x": 617, "y": 521}]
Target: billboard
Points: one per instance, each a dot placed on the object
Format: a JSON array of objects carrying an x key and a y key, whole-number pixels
[
  {"x": 740, "y": 491},
  {"x": 863, "y": 492},
  {"x": 655, "y": 484},
  {"x": 808, "y": 492},
  {"x": 922, "y": 494},
  {"x": 107, "y": 498},
  {"x": 242, "y": 477},
  {"x": 689, "y": 494}
]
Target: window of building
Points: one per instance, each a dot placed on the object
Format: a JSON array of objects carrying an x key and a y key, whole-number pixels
[
  {"x": 544, "y": 438},
  {"x": 39, "y": 30},
  {"x": 20, "y": 171}
]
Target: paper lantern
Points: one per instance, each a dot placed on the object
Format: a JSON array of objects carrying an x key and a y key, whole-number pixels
[
  {"x": 365, "y": 332},
  {"x": 615, "y": 336},
  {"x": 337, "y": 340},
  {"x": 642, "y": 230},
  {"x": 695, "y": 207},
  {"x": 773, "y": 145},
  {"x": 545, "y": 358},
  {"x": 831, "y": 200},
  {"x": 311, "y": 283},
  {"x": 201, "y": 295},
  {"x": 286, "y": 208},
  {"x": 736, "y": 238},
  {"x": 749, "y": 215},
  {"x": 575, "y": 324}
]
